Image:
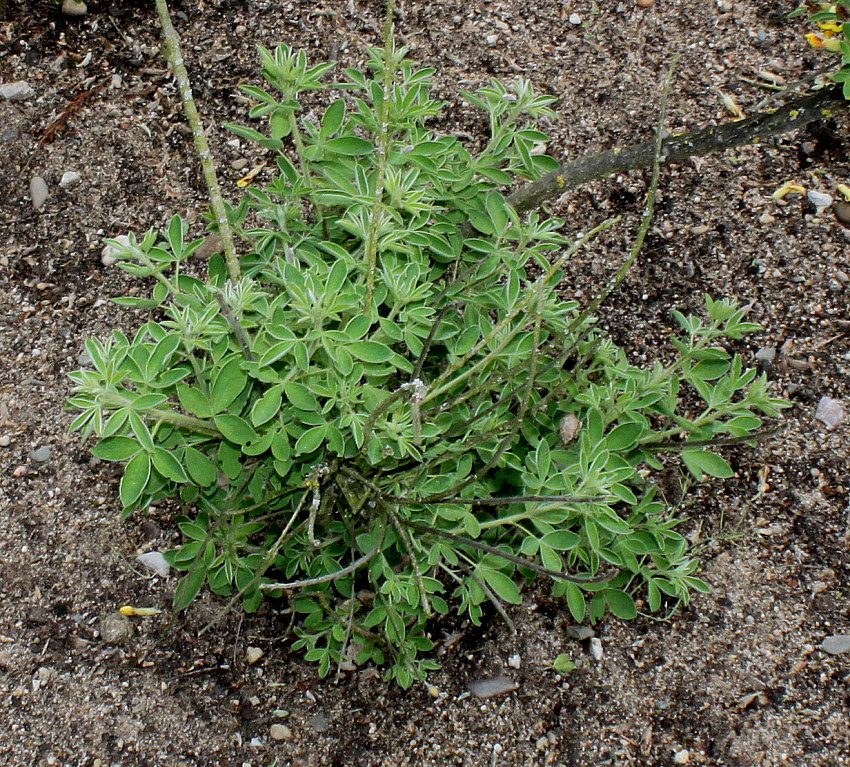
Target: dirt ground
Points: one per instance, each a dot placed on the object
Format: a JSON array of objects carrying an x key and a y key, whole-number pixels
[{"x": 736, "y": 678}]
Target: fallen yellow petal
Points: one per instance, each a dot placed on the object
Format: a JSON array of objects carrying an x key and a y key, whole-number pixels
[
  {"x": 250, "y": 175},
  {"x": 140, "y": 611},
  {"x": 731, "y": 106},
  {"x": 816, "y": 41},
  {"x": 787, "y": 188},
  {"x": 844, "y": 191},
  {"x": 831, "y": 27}
]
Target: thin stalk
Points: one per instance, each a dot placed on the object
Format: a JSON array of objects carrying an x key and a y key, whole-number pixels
[
  {"x": 114, "y": 400},
  {"x": 175, "y": 58},
  {"x": 382, "y": 151},
  {"x": 539, "y": 569},
  {"x": 266, "y": 563}
]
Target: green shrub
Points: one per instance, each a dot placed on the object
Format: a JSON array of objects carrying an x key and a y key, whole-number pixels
[{"x": 392, "y": 414}]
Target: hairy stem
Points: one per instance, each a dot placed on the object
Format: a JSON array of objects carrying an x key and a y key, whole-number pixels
[{"x": 175, "y": 58}]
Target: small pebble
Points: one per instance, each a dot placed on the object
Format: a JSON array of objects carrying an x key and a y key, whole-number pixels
[
  {"x": 154, "y": 560},
  {"x": 766, "y": 355},
  {"x": 492, "y": 686},
  {"x": 108, "y": 254},
  {"x": 69, "y": 178},
  {"x": 5, "y": 440},
  {"x": 20, "y": 90},
  {"x": 491, "y": 39},
  {"x": 574, "y": 19},
  {"x": 38, "y": 191},
  {"x": 837, "y": 644},
  {"x": 40, "y": 454},
  {"x": 280, "y": 732},
  {"x": 239, "y": 164},
  {"x": 515, "y": 661},
  {"x": 842, "y": 212},
  {"x": 579, "y": 633},
  {"x": 644, "y": 3},
  {"x": 318, "y": 723},
  {"x": 253, "y": 654},
  {"x": 820, "y": 200},
  {"x": 830, "y": 412},
  {"x": 682, "y": 757},
  {"x": 115, "y": 628},
  {"x": 74, "y": 8},
  {"x": 596, "y": 648}
]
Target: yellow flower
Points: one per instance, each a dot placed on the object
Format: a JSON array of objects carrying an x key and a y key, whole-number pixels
[
  {"x": 831, "y": 28},
  {"x": 816, "y": 41}
]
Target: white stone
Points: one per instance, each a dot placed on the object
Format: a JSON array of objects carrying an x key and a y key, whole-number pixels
[
  {"x": 17, "y": 91},
  {"x": 108, "y": 254},
  {"x": 596, "y": 648},
  {"x": 820, "y": 200},
  {"x": 837, "y": 644},
  {"x": 253, "y": 654},
  {"x": 38, "y": 191},
  {"x": 74, "y": 8},
  {"x": 154, "y": 560},
  {"x": 69, "y": 178},
  {"x": 830, "y": 412}
]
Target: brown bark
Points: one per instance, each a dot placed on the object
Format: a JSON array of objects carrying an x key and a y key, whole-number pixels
[{"x": 676, "y": 148}]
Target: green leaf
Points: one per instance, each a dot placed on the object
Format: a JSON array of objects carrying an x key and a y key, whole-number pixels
[
  {"x": 561, "y": 540},
  {"x": 575, "y": 601},
  {"x": 116, "y": 448},
  {"x": 194, "y": 401},
  {"x": 703, "y": 461},
  {"x": 228, "y": 385},
  {"x": 621, "y": 604},
  {"x": 267, "y": 407},
  {"x": 563, "y": 664},
  {"x": 623, "y": 437},
  {"x": 135, "y": 479},
  {"x": 235, "y": 429},
  {"x": 370, "y": 351},
  {"x": 349, "y": 145},
  {"x": 300, "y": 397},
  {"x": 332, "y": 118},
  {"x": 167, "y": 465},
  {"x": 200, "y": 468},
  {"x": 311, "y": 440},
  {"x": 162, "y": 353},
  {"x": 503, "y": 587},
  {"x": 189, "y": 586},
  {"x": 140, "y": 429}
]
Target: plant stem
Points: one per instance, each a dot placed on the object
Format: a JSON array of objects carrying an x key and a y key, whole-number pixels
[
  {"x": 793, "y": 115},
  {"x": 175, "y": 58},
  {"x": 382, "y": 151}
]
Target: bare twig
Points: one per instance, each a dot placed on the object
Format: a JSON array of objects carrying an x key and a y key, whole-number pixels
[{"x": 793, "y": 115}]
